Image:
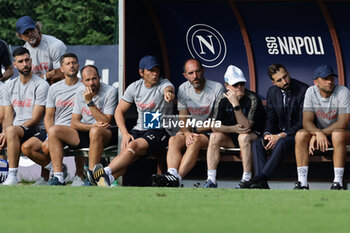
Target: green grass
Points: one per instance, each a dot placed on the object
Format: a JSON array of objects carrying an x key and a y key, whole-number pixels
[{"x": 26, "y": 208}]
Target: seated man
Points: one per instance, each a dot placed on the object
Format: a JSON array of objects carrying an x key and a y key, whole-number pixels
[
  {"x": 94, "y": 105},
  {"x": 24, "y": 101},
  {"x": 284, "y": 118},
  {"x": 59, "y": 107},
  {"x": 197, "y": 98},
  {"x": 242, "y": 117},
  {"x": 151, "y": 94},
  {"x": 325, "y": 123}
]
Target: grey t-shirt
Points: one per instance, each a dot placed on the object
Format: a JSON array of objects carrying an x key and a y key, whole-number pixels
[
  {"x": 106, "y": 100},
  {"x": 199, "y": 105},
  {"x": 46, "y": 56},
  {"x": 61, "y": 97},
  {"x": 23, "y": 97},
  {"x": 327, "y": 109},
  {"x": 1, "y": 92},
  {"x": 148, "y": 100}
]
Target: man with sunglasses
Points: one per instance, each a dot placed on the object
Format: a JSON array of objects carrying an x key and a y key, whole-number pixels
[
  {"x": 284, "y": 118},
  {"x": 242, "y": 117}
]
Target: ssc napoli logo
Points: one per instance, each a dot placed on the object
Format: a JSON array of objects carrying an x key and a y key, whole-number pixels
[{"x": 206, "y": 44}]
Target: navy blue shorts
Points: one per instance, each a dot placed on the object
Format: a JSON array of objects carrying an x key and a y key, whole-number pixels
[
  {"x": 33, "y": 132},
  {"x": 157, "y": 139}
]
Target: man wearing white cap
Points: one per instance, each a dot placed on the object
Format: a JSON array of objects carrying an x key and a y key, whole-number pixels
[
  {"x": 196, "y": 100},
  {"x": 242, "y": 117}
]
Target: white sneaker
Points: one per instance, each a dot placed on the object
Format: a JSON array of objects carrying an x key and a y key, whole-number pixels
[
  {"x": 77, "y": 181},
  {"x": 40, "y": 181},
  {"x": 10, "y": 180}
]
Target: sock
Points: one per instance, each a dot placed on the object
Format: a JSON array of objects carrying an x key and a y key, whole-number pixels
[
  {"x": 111, "y": 179},
  {"x": 212, "y": 176},
  {"x": 108, "y": 171},
  {"x": 302, "y": 175},
  {"x": 338, "y": 175},
  {"x": 59, "y": 176},
  {"x": 49, "y": 166},
  {"x": 247, "y": 176},
  {"x": 13, "y": 171}
]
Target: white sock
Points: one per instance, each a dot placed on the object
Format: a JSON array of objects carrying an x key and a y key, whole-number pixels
[
  {"x": 302, "y": 175},
  {"x": 108, "y": 171},
  {"x": 59, "y": 176},
  {"x": 49, "y": 166},
  {"x": 247, "y": 176},
  {"x": 212, "y": 176},
  {"x": 338, "y": 175},
  {"x": 13, "y": 171},
  {"x": 111, "y": 179},
  {"x": 173, "y": 172}
]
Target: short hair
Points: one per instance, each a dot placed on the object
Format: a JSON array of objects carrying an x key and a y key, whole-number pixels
[
  {"x": 20, "y": 51},
  {"x": 68, "y": 55},
  {"x": 91, "y": 66},
  {"x": 274, "y": 68},
  {"x": 192, "y": 59}
]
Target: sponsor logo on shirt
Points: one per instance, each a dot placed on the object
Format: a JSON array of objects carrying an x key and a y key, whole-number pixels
[
  {"x": 331, "y": 115},
  {"x": 22, "y": 103},
  {"x": 43, "y": 66},
  {"x": 86, "y": 111},
  {"x": 199, "y": 111},
  {"x": 64, "y": 103},
  {"x": 146, "y": 105}
]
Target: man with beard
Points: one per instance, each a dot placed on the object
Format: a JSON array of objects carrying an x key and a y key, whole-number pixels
[
  {"x": 91, "y": 124},
  {"x": 325, "y": 123},
  {"x": 196, "y": 100},
  {"x": 24, "y": 99},
  {"x": 242, "y": 117},
  {"x": 58, "y": 115},
  {"x": 284, "y": 118},
  {"x": 45, "y": 50}
]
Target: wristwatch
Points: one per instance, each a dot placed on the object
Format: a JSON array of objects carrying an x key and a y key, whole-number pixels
[
  {"x": 236, "y": 108},
  {"x": 91, "y": 103}
]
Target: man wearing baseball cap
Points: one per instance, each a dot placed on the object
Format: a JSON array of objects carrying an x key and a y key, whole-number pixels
[
  {"x": 45, "y": 50},
  {"x": 154, "y": 97},
  {"x": 325, "y": 122},
  {"x": 242, "y": 117}
]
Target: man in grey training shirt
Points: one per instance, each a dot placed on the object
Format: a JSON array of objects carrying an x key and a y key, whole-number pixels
[
  {"x": 24, "y": 100},
  {"x": 325, "y": 123},
  {"x": 94, "y": 106},
  {"x": 197, "y": 98},
  {"x": 153, "y": 97}
]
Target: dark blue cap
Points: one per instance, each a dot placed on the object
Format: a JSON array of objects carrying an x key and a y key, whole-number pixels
[
  {"x": 324, "y": 71},
  {"x": 148, "y": 62},
  {"x": 24, "y": 23}
]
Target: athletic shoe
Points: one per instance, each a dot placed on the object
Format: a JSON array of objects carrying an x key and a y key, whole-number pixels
[
  {"x": 66, "y": 176},
  {"x": 87, "y": 182},
  {"x": 40, "y": 181},
  {"x": 100, "y": 176},
  {"x": 209, "y": 184},
  {"x": 297, "y": 186},
  {"x": 336, "y": 186},
  {"x": 260, "y": 185},
  {"x": 165, "y": 180},
  {"x": 4, "y": 168},
  {"x": 244, "y": 184},
  {"x": 10, "y": 180},
  {"x": 89, "y": 175},
  {"x": 54, "y": 181},
  {"x": 77, "y": 181}
]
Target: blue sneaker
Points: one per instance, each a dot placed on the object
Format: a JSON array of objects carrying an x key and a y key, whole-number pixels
[
  {"x": 100, "y": 176},
  {"x": 87, "y": 182},
  {"x": 209, "y": 184},
  {"x": 54, "y": 181}
]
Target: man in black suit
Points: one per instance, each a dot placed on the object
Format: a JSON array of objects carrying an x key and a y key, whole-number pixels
[{"x": 284, "y": 118}]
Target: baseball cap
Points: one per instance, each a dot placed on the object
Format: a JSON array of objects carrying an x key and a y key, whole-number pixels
[
  {"x": 148, "y": 62},
  {"x": 24, "y": 23},
  {"x": 323, "y": 71},
  {"x": 234, "y": 75}
]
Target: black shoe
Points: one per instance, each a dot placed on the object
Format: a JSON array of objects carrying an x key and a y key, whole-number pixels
[
  {"x": 90, "y": 177},
  {"x": 262, "y": 184},
  {"x": 336, "y": 186},
  {"x": 244, "y": 184},
  {"x": 54, "y": 181},
  {"x": 100, "y": 176},
  {"x": 297, "y": 186},
  {"x": 165, "y": 180}
]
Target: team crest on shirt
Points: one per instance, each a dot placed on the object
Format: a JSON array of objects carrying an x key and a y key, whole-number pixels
[{"x": 151, "y": 120}]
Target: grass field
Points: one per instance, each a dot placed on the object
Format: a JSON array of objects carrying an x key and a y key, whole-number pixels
[{"x": 27, "y": 208}]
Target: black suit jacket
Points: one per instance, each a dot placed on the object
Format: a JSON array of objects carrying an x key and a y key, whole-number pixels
[{"x": 274, "y": 110}]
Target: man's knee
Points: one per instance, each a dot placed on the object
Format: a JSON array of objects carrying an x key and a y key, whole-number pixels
[
  {"x": 339, "y": 137},
  {"x": 26, "y": 149},
  {"x": 245, "y": 139},
  {"x": 216, "y": 138},
  {"x": 302, "y": 137},
  {"x": 176, "y": 141}
]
